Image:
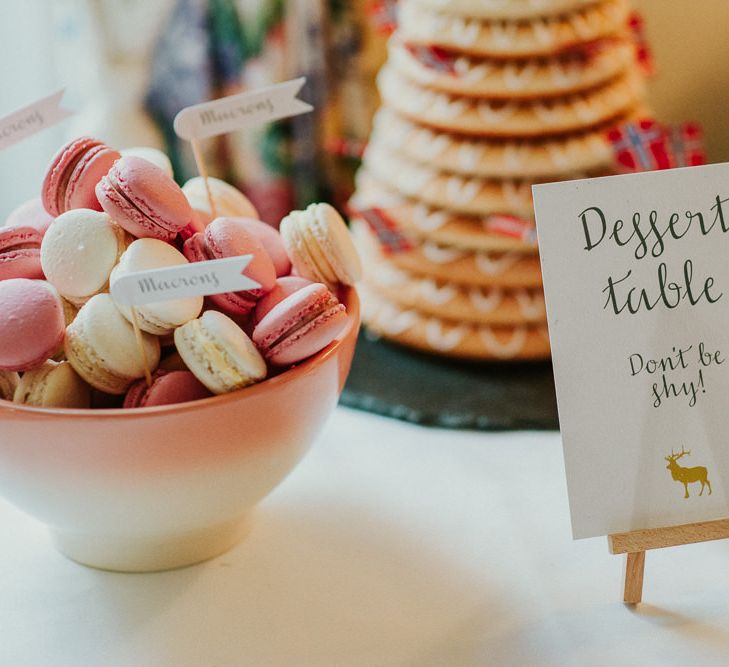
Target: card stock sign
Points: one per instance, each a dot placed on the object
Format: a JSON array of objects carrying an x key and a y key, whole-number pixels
[
  {"x": 236, "y": 112},
  {"x": 32, "y": 118},
  {"x": 636, "y": 279},
  {"x": 178, "y": 282}
]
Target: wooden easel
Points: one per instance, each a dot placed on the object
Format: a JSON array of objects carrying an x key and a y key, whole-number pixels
[{"x": 635, "y": 543}]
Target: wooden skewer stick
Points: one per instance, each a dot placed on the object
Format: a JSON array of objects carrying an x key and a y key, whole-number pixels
[
  {"x": 140, "y": 344},
  {"x": 203, "y": 171}
]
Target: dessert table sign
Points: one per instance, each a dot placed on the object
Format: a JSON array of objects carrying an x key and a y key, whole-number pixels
[{"x": 636, "y": 280}]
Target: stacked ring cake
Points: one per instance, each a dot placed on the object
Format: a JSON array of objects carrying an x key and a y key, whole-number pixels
[{"x": 480, "y": 100}]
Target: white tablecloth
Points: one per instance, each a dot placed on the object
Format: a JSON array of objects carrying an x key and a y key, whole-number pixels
[{"x": 388, "y": 545}]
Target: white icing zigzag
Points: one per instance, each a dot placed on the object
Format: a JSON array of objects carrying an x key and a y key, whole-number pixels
[
  {"x": 504, "y": 350},
  {"x": 495, "y": 114},
  {"x": 473, "y": 195},
  {"x": 485, "y": 303},
  {"x": 469, "y": 72},
  {"x": 448, "y": 107},
  {"x": 440, "y": 254},
  {"x": 429, "y": 219},
  {"x": 586, "y": 111},
  {"x": 431, "y": 292},
  {"x": 506, "y": 36},
  {"x": 518, "y": 77},
  {"x": 505, "y": 9},
  {"x": 469, "y": 155},
  {"x": 514, "y": 156},
  {"x": 433, "y": 144},
  {"x": 529, "y": 118},
  {"x": 461, "y": 190},
  {"x": 439, "y": 336},
  {"x": 394, "y": 320},
  {"x": 517, "y": 195},
  {"x": 443, "y": 339},
  {"x": 559, "y": 154},
  {"x": 559, "y": 74},
  {"x": 363, "y": 199},
  {"x": 544, "y": 31},
  {"x": 467, "y": 31},
  {"x": 564, "y": 76},
  {"x": 548, "y": 112},
  {"x": 531, "y": 305},
  {"x": 494, "y": 159},
  {"x": 491, "y": 266},
  {"x": 389, "y": 276}
]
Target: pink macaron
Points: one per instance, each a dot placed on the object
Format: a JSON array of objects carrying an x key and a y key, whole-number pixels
[
  {"x": 284, "y": 287},
  {"x": 73, "y": 173},
  {"x": 168, "y": 388},
  {"x": 271, "y": 240},
  {"x": 196, "y": 225},
  {"x": 20, "y": 240},
  {"x": 228, "y": 237},
  {"x": 32, "y": 325},
  {"x": 31, "y": 213},
  {"x": 304, "y": 323},
  {"x": 143, "y": 199},
  {"x": 20, "y": 253}
]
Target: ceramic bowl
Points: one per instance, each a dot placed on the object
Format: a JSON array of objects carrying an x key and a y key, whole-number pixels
[{"x": 157, "y": 488}]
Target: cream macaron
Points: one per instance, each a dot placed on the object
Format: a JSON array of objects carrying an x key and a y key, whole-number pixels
[
  {"x": 219, "y": 353},
  {"x": 320, "y": 246},
  {"x": 229, "y": 201},
  {"x": 53, "y": 385},
  {"x": 78, "y": 252},
  {"x": 162, "y": 317},
  {"x": 102, "y": 347},
  {"x": 8, "y": 383}
]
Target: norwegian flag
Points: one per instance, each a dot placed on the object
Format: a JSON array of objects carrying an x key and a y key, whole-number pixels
[
  {"x": 384, "y": 15},
  {"x": 391, "y": 239},
  {"x": 512, "y": 226},
  {"x": 586, "y": 51},
  {"x": 641, "y": 145},
  {"x": 643, "y": 52},
  {"x": 687, "y": 145},
  {"x": 433, "y": 57},
  {"x": 344, "y": 147}
]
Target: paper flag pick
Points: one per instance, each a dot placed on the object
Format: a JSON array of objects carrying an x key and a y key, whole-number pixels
[
  {"x": 391, "y": 239},
  {"x": 177, "y": 282},
  {"x": 586, "y": 51},
  {"x": 641, "y": 146},
  {"x": 32, "y": 118},
  {"x": 643, "y": 53},
  {"x": 384, "y": 15},
  {"x": 433, "y": 57},
  {"x": 687, "y": 145},
  {"x": 345, "y": 147},
  {"x": 512, "y": 226},
  {"x": 236, "y": 112}
]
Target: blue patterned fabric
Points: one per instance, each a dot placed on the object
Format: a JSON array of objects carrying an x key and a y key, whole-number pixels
[{"x": 200, "y": 50}]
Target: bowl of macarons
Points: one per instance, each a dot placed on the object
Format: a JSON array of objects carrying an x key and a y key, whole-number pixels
[{"x": 143, "y": 437}]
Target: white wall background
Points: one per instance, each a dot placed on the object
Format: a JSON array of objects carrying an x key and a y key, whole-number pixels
[
  {"x": 26, "y": 73},
  {"x": 99, "y": 50}
]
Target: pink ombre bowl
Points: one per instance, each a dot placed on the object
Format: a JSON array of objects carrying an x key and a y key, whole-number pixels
[{"x": 158, "y": 488}]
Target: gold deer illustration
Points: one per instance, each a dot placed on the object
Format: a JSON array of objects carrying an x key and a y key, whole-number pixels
[{"x": 687, "y": 475}]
